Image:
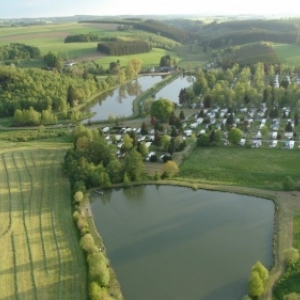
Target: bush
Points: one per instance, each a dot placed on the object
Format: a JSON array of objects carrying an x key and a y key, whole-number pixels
[
  {"x": 98, "y": 270},
  {"x": 87, "y": 243},
  {"x": 291, "y": 256},
  {"x": 288, "y": 184},
  {"x": 78, "y": 196}
]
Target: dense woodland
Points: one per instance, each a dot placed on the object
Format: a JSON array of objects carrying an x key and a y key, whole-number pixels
[
  {"x": 15, "y": 51},
  {"x": 124, "y": 47},
  {"x": 22, "y": 89}
]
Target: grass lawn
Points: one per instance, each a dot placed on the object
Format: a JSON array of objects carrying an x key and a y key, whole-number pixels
[
  {"x": 259, "y": 168},
  {"x": 39, "y": 252},
  {"x": 289, "y": 54}
]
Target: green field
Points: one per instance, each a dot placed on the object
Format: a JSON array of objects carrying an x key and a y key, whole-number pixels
[
  {"x": 259, "y": 168},
  {"x": 39, "y": 252},
  {"x": 289, "y": 54}
]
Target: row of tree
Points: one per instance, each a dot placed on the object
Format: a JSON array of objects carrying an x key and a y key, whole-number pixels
[
  {"x": 83, "y": 38},
  {"x": 124, "y": 47}
]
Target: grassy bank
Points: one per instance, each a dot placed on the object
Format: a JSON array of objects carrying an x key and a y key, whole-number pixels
[
  {"x": 40, "y": 255},
  {"x": 289, "y": 282}
]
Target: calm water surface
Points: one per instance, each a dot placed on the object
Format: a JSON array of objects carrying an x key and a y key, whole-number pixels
[
  {"x": 171, "y": 91},
  {"x": 172, "y": 243},
  {"x": 118, "y": 103}
]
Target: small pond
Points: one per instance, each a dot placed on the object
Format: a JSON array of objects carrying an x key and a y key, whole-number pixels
[{"x": 173, "y": 243}]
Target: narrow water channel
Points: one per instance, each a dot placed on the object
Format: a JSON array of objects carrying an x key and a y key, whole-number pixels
[{"x": 173, "y": 243}]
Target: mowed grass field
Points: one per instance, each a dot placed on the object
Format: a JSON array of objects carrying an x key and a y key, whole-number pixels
[
  {"x": 39, "y": 251},
  {"x": 245, "y": 167},
  {"x": 289, "y": 54}
]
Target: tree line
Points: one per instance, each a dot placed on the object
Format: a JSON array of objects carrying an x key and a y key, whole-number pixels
[
  {"x": 15, "y": 51},
  {"x": 83, "y": 38},
  {"x": 249, "y": 36},
  {"x": 124, "y": 47}
]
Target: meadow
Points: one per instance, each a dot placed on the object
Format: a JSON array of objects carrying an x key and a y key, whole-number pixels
[
  {"x": 39, "y": 252},
  {"x": 238, "y": 166},
  {"x": 288, "y": 54}
]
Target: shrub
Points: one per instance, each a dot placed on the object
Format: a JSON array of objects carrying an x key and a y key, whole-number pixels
[
  {"x": 87, "y": 243},
  {"x": 291, "y": 256},
  {"x": 98, "y": 270},
  {"x": 288, "y": 184},
  {"x": 78, "y": 196}
]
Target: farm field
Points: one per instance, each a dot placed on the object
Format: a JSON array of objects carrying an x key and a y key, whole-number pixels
[
  {"x": 39, "y": 252},
  {"x": 288, "y": 53},
  {"x": 245, "y": 167}
]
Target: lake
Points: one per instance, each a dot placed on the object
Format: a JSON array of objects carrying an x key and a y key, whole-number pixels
[{"x": 173, "y": 243}]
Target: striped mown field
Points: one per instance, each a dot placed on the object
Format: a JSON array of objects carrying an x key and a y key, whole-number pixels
[{"x": 40, "y": 256}]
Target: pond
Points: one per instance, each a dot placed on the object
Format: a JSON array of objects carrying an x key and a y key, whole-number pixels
[
  {"x": 175, "y": 243},
  {"x": 172, "y": 90},
  {"x": 118, "y": 103}
]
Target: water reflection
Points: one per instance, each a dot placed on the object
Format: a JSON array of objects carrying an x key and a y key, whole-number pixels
[
  {"x": 118, "y": 102},
  {"x": 166, "y": 236}
]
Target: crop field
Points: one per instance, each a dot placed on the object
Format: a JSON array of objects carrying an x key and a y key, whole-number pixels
[
  {"x": 39, "y": 252},
  {"x": 246, "y": 167},
  {"x": 51, "y": 37},
  {"x": 289, "y": 54}
]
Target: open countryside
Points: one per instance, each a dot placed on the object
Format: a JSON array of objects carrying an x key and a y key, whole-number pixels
[{"x": 234, "y": 128}]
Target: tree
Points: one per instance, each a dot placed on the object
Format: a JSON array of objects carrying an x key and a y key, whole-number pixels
[
  {"x": 133, "y": 165},
  {"x": 144, "y": 128},
  {"x": 136, "y": 64},
  {"x": 78, "y": 196},
  {"x": 71, "y": 96},
  {"x": 262, "y": 271},
  {"x": 165, "y": 61},
  {"x": 114, "y": 170},
  {"x": 203, "y": 141},
  {"x": 170, "y": 168},
  {"x": 52, "y": 60},
  {"x": 235, "y": 135},
  {"x": 255, "y": 285},
  {"x": 98, "y": 270},
  {"x": 161, "y": 109},
  {"x": 291, "y": 256},
  {"x": 87, "y": 243},
  {"x": 127, "y": 142},
  {"x": 143, "y": 149},
  {"x": 181, "y": 115}
]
